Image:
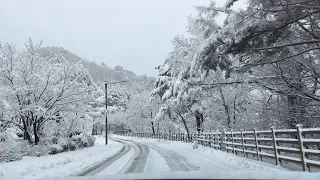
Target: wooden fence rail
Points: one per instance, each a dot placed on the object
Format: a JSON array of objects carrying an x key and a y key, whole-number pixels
[{"x": 300, "y": 145}]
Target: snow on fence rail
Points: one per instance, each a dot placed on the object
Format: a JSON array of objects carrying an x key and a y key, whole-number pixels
[{"x": 300, "y": 146}]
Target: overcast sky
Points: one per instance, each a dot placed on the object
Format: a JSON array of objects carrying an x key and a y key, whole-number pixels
[{"x": 135, "y": 34}]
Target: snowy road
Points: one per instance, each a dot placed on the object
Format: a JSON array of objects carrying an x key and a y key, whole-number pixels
[
  {"x": 175, "y": 161},
  {"x": 96, "y": 168},
  {"x": 179, "y": 156},
  {"x": 132, "y": 157},
  {"x": 136, "y": 164},
  {"x": 150, "y": 155}
]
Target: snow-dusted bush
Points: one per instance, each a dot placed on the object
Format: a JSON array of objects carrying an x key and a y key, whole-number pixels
[
  {"x": 83, "y": 141},
  {"x": 55, "y": 149},
  {"x": 91, "y": 140},
  {"x": 8, "y": 147},
  {"x": 63, "y": 142},
  {"x": 79, "y": 140},
  {"x": 72, "y": 146},
  {"x": 8, "y": 136},
  {"x": 38, "y": 150},
  {"x": 12, "y": 149},
  {"x": 54, "y": 140},
  {"x": 8, "y": 152}
]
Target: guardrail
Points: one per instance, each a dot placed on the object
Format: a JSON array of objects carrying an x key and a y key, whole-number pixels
[{"x": 299, "y": 146}]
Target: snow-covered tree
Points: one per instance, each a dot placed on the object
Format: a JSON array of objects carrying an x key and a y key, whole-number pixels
[
  {"x": 41, "y": 89},
  {"x": 258, "y": 69}
]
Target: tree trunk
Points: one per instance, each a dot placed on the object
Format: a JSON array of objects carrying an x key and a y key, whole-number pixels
[
  {"x": 199, "y": 120},
  {"x": 152, "y": 126},
  {"x": 26, "y": 135},
  {"x": 226, "y": 108},
  {"x": 35, "y": 132},
  {"x": 184, "y": 124},
  {"x": 158, "y": 127}
]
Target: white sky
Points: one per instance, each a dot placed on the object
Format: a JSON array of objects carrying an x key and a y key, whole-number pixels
[{"x": 135, "y": 34}]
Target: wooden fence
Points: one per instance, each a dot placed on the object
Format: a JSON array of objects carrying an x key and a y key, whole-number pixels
[{"x": 299, "y": 146}]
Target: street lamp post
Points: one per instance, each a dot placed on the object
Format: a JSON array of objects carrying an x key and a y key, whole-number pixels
[{"x": 106, "y": 96}]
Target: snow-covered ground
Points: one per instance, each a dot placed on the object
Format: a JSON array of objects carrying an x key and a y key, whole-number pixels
[
  {"x": 205, "y": 175},
  {"x": 148, "y": 159},
  {"x": 58, "y": 165}
]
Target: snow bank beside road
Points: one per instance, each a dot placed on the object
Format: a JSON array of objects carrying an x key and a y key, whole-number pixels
[{"x": 58, "y": 165}]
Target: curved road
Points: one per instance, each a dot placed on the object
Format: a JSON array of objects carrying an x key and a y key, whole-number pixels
[
  {"x": 138, "y": 162},
  {"x": 135, "y": 165},
  {"x": 175, "y": 161},
  {"x": 141, "y": 156}
]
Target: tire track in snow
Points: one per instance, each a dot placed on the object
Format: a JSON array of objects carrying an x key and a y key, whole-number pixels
[
  {"x": 175, "y": 161},
  {"x": 99, "y": 166},
  {"x": 138, "y": 162}
]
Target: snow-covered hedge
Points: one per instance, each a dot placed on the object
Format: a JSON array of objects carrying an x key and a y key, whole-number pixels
[
  {"x": 12, "y": 148},
  {"x": 8, "y": 152},
  {"x": 75, "y": 142},
  {"x": 8, "y": 147}
]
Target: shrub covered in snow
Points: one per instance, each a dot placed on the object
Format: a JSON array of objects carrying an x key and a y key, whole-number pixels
[
  {"x": 55, "y": 149},
  {"x": 63, "y": 142},
  {"x": 37, "y": 150},
  {"x": 8, "y": 147},
  {"x": 8, "y": 152},
  {"x": 83, "y": 141},
  {"x": 72, "y": 146},
  {"x": 12, "y": 148},
  {"x": 91, "y": 140}
]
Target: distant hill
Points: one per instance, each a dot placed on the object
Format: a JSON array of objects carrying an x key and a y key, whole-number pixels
[{"x": 102, "y": 72}]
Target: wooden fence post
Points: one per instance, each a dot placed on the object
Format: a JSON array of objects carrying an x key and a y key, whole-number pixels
[
  {"x": 232, "y": 142},
  {"x": 195, "y": 136},
  {"x": 256, "y": 142},
  {"x": 206, "y": 137},
  {"x": 300, "y": 139},
  {"x": 219, "y": 140},
  {"x": 243, "y": 147},
  {"x": 223, "y": 139},
  {"x": 275, "y": 146},
  {"x": 192, "y": 136},
  {"x": 210, "y": 138},
  {"x": 213, "y": 140}
]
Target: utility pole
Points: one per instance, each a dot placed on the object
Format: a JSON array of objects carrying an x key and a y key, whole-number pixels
[
  {"x": 106, "y": 97},
  {"x": 152, "y": 124}
]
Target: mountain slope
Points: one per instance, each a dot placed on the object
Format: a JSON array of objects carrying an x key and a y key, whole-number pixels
[{"x": 102, "y": 72}]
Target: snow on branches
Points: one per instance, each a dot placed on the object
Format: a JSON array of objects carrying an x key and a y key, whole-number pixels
[
  {"x": 38, "y": 89},
  {"x": 258, "y": 69}
]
